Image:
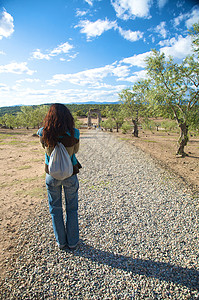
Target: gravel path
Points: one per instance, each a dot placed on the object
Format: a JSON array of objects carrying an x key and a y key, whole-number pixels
[{"x": 138, "y": 230}]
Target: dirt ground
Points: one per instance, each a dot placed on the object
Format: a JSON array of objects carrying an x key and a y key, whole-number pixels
[
  {"x": 22, "y": 177},
  {"x": 22, "y": 182}
]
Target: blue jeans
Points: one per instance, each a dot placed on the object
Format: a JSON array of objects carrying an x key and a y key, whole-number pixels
[{"x": 68, "y": 233}]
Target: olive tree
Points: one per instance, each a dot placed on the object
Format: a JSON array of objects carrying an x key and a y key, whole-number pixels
[
  {"x": 133, "y": 106},
  {"x": 117, "y": 116},
  {"x": 176, "y": 87}
]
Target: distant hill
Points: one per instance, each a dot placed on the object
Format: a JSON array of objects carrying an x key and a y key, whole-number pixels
[
  {"x": 9, "y": 110},
  {"x": 93, "y": 103}
]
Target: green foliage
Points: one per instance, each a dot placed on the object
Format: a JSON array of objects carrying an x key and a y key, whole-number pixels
[
  {"x": 78, "y": 123},
  {"x": 32, "y": 116},
  {"x": 193, "y": 119},
  {"x": 108, "y": 124},
  {"x": 80, "y": 113},
  {"x": 128, "y": 101},
  {"x": 194, "y": 32},
  {"x": 8, "y": 120},
  {"x": 11, "y": 110},
  {"x": 172, "y": 86},
  {"x": 126, "y": 126},
  {"x": 83, "y": 109},
  {"x": 29, "y": 116},
  {"x": 176, "y": 87},
  {"x": 168, "y": 125},
  {"x": 171, "y": 91},
  {"x": 148, "y": 124},
  {"x": 134, "y": 105},
  {"x": 116, "y": 115}
]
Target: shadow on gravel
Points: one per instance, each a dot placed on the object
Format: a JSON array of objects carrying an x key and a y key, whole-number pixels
[{"x": 160, "y": 270}]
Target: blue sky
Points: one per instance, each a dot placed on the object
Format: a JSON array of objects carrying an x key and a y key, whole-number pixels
[{"x": 85, "y": 50}]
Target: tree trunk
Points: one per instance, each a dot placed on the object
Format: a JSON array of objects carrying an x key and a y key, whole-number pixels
[
  {"x": 117, "y": 126},
  {"x": 182, "y": 142},
  {"x": 135, "y": 131}
]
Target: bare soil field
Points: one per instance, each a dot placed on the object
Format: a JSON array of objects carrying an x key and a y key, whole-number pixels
[
  {"x": 22, "y": 177},
  {"x": 22, "y": 182}
]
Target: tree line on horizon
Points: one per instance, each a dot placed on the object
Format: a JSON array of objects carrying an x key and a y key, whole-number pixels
[
  {"x": 79, "y": 109},
  {"x": 32, "y": 116}
]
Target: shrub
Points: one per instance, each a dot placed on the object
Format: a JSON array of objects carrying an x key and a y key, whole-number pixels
[
  {"x": 126, "y": 126},
  {"x": 169, "y": 125},
  {"x": 148, "y": 125},
  {"x": 108, "y": 124}
]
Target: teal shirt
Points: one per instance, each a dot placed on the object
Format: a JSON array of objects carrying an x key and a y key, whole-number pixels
[{"x": 73, "y": 157}]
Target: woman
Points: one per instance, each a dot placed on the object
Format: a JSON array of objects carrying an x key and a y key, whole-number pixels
[{"x": 59, "y": 127}]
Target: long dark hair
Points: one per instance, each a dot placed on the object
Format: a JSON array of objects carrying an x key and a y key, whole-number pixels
[{"x": 57, "y": 121}]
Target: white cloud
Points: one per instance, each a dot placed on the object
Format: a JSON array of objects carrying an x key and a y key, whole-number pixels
[
  {"x": 4, "y": 87},
  {"x": 136, "y": 76},
  {"x": 90, "y": 2},
  {"x": 14, "y": 96},
  {"x": 16, "y": 68},
  {"x": 161, "y": 29},
  {"x": 80, "y": 13},
  {"x": 93, "y": 29},
  {"x": 63, "y": 48},
  {"x": 136, "y": 60},
  {"x": 168, "y": 42},
  {"x": 93, "y": 77},
  {"x": 38, "y": 55},
  {"x": 29, "y": 80},
  {"x": 121, "y": 71},
  {"x": 71, "y": 57},
  {"x": 179, "y": 19},
  {"x": 179, "y": 48},
  {"x": 162, "y": 3},
  {"x": 74, "y": 55},
  {"x": 193, "y": 18},
  {"x": 126, "y": 9},
  {"x": 2, "y": 53},
  {"x": 130, "y": 35},
  {"x": 189, "y": 18},
  {"x": 6, "y": 24},
  {"x": 88, "y": 77}
]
